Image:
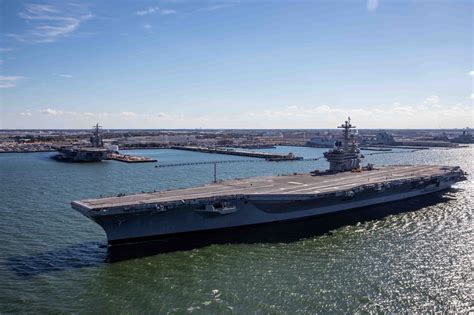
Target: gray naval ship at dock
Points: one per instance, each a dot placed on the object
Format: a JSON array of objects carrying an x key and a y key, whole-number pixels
[
  {"x": 264, "y": 200},
  {"x": 95, "y": 152}
]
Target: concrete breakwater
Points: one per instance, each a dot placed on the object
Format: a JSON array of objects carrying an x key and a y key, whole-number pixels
[{"x": 263, "y": 155}]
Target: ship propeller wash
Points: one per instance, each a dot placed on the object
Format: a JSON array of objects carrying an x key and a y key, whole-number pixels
[{"x": 264, "y": 200}]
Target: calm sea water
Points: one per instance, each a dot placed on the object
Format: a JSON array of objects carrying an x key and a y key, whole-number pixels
[{"x": 52, "y": 259}]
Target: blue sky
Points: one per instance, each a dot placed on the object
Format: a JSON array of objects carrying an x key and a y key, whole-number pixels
[{"x": 236, "y": 64}]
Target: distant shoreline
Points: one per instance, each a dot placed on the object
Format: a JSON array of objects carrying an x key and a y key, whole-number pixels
[{"x": 302, "y": 146}]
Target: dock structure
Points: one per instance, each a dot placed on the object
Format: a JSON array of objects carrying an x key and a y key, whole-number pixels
[
  {"x": 261, "y": 155},
  {"x": 287, "y": 186},
  {"x": 129, "y": 158}
]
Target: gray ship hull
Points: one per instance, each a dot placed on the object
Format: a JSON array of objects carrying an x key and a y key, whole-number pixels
[
  {"x": 81, "y": 154},
  {"x": 138, "y": 222}
]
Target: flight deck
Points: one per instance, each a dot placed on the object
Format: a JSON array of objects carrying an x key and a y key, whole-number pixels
[{"x": 298, "y": 184}]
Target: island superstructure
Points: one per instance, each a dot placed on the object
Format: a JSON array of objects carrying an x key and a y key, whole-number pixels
[
  {"x": 345, "y": 156},
  {"x": 263, "y": 200}
]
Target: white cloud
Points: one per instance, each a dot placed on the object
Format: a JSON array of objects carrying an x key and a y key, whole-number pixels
[
  {"x": 219, "y": 6},
  {"x": 102, "y": 115},
  {"x": 472, "y": 96},
  {"x": 147, "y": 11},
  {"x": 396, "y": 115},
  {"x": 147, "y": 26},
  {"x": 110, "y": 119},
  {"x": 431, "y": 113},
  {"x": 471, "y": 72},
  {"x": 48, "y": 23},
  {"x": 166, "y": 116},
  {"x": 9, "y": 81},
  {"x": 6, "y": 49},
  {"x": 67, "y": 76},
  {"x": 432, "y": 101},
  {"x": 128, "y": 114},
  {"x": 51, "y": 112},
  {"x": 155, "y": 9},
  {"x": 372, "y": 5},
  {"x": 168, "y": 11}
]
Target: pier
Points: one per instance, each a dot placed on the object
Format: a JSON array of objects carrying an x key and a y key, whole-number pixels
[
  {"x": 129, "y": 158},
  {"x": 262, "y": 155}
]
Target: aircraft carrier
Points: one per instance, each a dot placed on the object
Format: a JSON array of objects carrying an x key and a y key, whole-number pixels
[
  {"x": 95, "y": 152},
  {"x": 263, "y": 200}
]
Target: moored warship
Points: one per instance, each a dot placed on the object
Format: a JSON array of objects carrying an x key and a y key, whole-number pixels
[
  {"x": 95, "y": 152},
  {"x": 263, "y": 200}
]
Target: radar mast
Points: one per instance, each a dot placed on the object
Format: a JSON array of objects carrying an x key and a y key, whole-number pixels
[{"x": 96, "y": 139}]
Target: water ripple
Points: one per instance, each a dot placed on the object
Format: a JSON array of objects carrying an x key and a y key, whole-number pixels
[{"x": 410, "y": 257}]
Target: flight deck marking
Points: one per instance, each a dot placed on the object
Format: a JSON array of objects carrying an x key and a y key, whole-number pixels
[
  {"x": 334, "y": 187},
  {"x": 333, "y": 183}
]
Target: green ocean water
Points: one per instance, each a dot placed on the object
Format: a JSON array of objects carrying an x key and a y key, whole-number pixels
[{"x": 53, "y": 260}]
